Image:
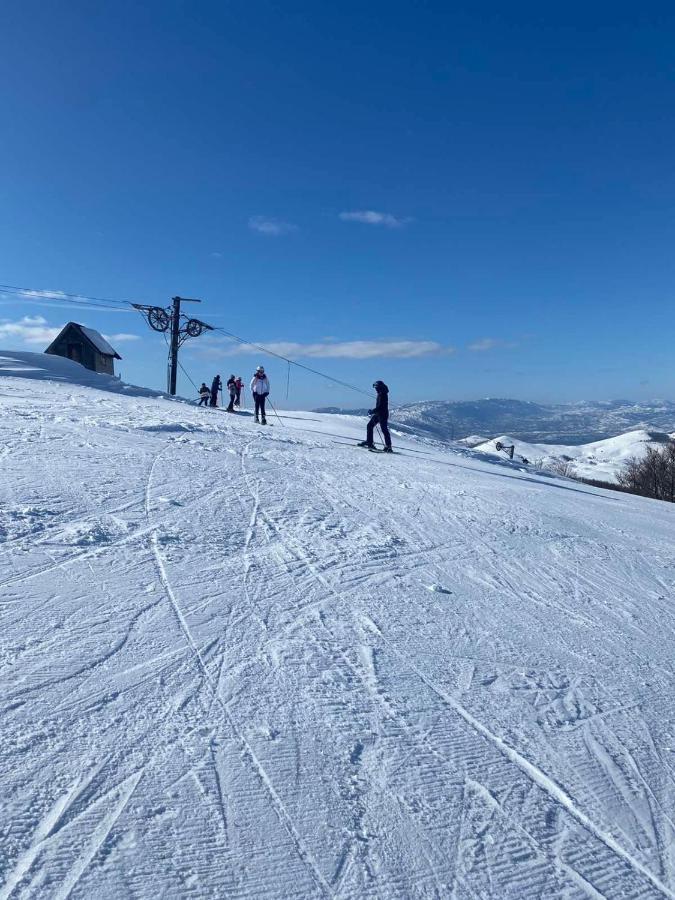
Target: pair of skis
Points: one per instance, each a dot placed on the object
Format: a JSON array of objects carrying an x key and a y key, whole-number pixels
[{"x": 365, "y": 447}]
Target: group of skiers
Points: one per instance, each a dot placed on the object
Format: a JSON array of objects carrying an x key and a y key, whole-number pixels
[{"x": 260, "y": 389}]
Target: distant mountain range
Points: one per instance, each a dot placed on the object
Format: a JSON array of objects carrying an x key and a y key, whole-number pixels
[{"x": 565, "y": 423}]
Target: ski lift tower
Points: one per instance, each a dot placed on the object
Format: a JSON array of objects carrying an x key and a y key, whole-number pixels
[{"x": 170, "y": 319}]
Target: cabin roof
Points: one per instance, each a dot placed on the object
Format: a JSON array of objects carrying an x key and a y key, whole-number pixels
[{"x": 99, "y": 342}]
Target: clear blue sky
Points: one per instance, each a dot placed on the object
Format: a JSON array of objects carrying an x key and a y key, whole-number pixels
[{"x": 518, "y": 159}]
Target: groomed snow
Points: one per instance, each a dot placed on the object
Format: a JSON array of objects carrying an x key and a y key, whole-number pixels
[{"x": 239, "y": 661}]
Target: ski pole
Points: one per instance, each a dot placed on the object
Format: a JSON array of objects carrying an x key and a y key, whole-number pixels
[{"x": 274, "y": 410}]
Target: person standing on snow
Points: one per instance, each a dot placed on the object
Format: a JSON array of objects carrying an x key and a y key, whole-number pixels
[
  {"x": 239, "y": 384},
  {"x": 216, "y": 385},
  {"x": 260, "y": 388},
  {"x": 204, "y": 394},
  {"x": 379, "y": 416},
  {"x": 232, "y": 388}
]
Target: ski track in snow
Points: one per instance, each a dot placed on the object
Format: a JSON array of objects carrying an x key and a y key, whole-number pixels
[{"x": 255, "y": 663}]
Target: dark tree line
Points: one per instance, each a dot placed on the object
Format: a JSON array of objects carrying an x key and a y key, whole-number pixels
[{"x": 652, "y": 475}]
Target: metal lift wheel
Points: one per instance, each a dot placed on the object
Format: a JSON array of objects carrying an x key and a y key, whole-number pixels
[
  {"x": 159, "y": 319},
  {"x": 194, "y": 327}
]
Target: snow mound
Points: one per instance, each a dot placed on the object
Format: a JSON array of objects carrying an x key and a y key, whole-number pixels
[
  {"x": 599, "y": 460},
  {"x": 247, "y": 661},
  {"x": 472, "y": 440},
  {"x": 47, "y": 367}
]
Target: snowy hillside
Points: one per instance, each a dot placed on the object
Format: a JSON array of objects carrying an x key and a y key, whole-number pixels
[
  {"x": 40, "y": 366},
  {"x": 239, "y": 661},
  {"x": 600, "y": 460}
]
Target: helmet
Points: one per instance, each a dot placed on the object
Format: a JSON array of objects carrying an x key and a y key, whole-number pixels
[{"x": 260, "y": 369}]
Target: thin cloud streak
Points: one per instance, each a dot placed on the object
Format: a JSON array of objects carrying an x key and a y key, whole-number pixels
[
  {"x": 119, "y": 338},
  {"x": 270, "y": 227},
  {"x": 56, "y": 295},
  {"x": 49, "y": 300},
  {"x": 332, "y": 349},
  {"x": 490, "y": 344},
  {"x": 372, "y": 217}
]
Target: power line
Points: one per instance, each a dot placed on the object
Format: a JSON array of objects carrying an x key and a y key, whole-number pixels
[
  {"x": 293, "y": 362},
  {"x": 187, "y": 376},
  {"x": 63, "y": 301},
  {"x": 39, "y": 294},
  {"x": 106, "y": 303}
]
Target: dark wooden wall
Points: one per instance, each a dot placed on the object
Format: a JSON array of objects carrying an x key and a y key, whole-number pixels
[{"x": 72, "y": 345}]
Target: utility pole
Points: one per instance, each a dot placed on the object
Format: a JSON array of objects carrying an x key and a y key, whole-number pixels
[
  {"x": 170, "y": 319},
  {"x": 173, "y": 352},
  {"x": 176, "y": 341}
]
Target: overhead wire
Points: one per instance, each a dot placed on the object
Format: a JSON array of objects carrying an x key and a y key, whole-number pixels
[
  {"x": 187, "y": 376},
  {"x": 107, "y": 303},
  {"x": 292, "y": 362},
  {"x": 65, "y": 301},
  {"x": 41, "y": 294}
]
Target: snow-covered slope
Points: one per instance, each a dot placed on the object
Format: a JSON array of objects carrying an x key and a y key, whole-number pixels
[
  {"x": 41, "y": 366},
  {"x": 239, "y": 661},
  {"x": 600, "y": 460}
]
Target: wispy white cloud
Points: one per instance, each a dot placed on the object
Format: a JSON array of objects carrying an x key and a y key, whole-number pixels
[
  {"x": 119, "y": 338},
  {"x": 490, "y": 344},
  {"x": 214, "y": 347},
  {"x": 55, "y": 295},
  {"x": 372, "y": 217},
  {"x": 361, "y": 349},
  {"x": 28, "y": 330},
  {"x": 270, "y": 227},
  {"x": 35, "y": 330},
  {"x": 75, "y": 310},
  {"x": 48, "y": 298}
]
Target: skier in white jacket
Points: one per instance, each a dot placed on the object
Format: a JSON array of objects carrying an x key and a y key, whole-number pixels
[{"x": 260, "y": 388}]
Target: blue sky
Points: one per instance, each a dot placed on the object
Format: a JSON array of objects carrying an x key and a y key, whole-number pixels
[{"x": 464, "y": 200}]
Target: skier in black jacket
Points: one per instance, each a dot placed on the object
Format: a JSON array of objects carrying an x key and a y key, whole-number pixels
[
  {"x": 216, "y": 385},
  {"x": 379, "y": 416}
]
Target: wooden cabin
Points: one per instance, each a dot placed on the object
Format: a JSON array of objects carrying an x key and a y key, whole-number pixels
[{"x": 85, "y": 346}]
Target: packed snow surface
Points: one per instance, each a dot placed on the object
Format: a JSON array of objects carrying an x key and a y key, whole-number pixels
[
  {"x": 240, "y": 661},
  {"x": 599, "y": 460}
]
